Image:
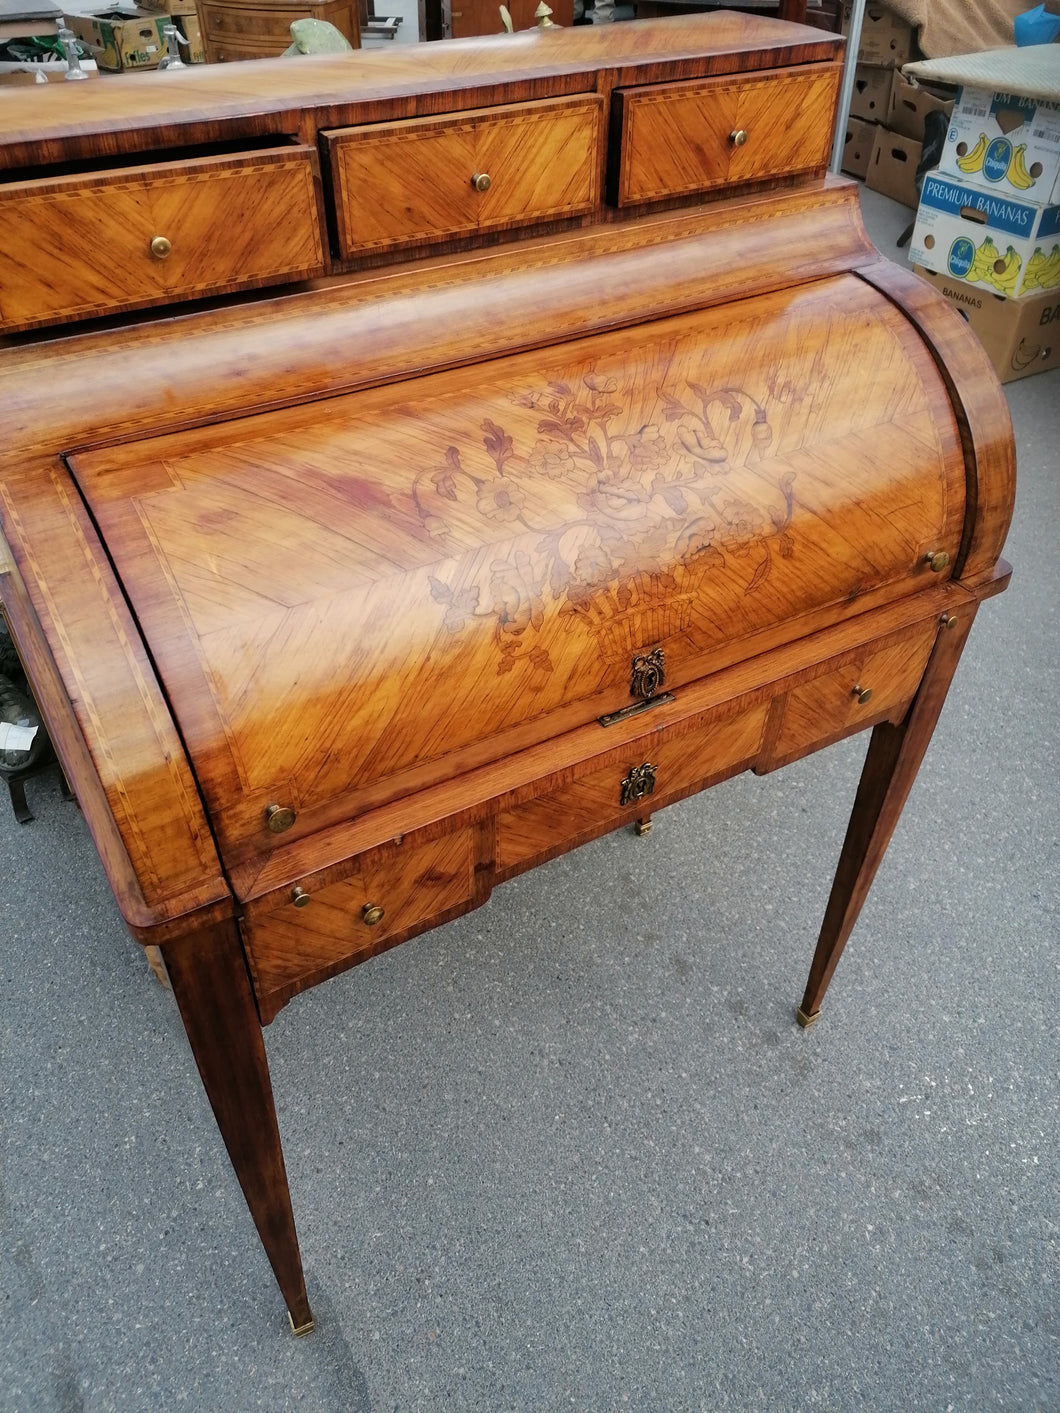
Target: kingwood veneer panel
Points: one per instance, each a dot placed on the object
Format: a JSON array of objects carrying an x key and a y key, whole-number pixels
[{"x": 350, "y": 603}]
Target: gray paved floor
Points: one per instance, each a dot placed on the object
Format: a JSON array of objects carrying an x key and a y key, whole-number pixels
[{"x": 571, "y": 1151}]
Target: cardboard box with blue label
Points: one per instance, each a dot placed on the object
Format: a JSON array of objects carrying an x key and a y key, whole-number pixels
[
  {"x": 1002, "y": 142},
  {"x": 986, "y": 237}
]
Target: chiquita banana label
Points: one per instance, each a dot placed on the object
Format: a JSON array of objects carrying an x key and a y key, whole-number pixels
[
  {"x": 1005, "y": 141},
  {"x": 987, "y": 238},
  {"x": 999, "y": 161}
]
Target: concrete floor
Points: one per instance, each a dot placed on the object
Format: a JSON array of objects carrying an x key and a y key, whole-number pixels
[{"x": 572, "y": 1151}]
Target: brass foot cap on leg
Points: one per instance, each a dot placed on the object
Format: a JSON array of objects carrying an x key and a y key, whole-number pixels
[
  {"x": 642, "y": 827},
  {"x": 806, "y": 1018},
  {"x": 299, "y": 1330}
]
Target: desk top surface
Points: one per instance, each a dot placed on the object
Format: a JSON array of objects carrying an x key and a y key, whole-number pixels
[{"x": 269, "y": 95}]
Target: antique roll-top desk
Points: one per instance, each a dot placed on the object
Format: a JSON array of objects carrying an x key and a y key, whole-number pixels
[{"x": 416, "y": 464}]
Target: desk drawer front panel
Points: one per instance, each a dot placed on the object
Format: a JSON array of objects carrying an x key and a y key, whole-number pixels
[
  {"x": 879, "y": 681},
  {"x": 677, "y": 139},
  {"x": 413, "y": 182},
  {"x": 680, "y": 759},
  {"x": 349, "y": 921},
  {"x": 73, "y": 247}
]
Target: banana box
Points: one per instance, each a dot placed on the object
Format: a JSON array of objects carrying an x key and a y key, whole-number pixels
[
  {"x": 1020, "y": 336},
  {"x": 989, "y": 238},
  {"x": 1002, "y": 142},
  {"x": 123, "y": 37}
]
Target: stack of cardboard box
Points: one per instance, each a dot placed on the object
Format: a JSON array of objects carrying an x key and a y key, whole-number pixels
[
  {"x": 185, "y": 17},
  {"x": 132, "y": 36},
  {"x": 885, "y": 131},
  {"x": 988, "y": 226}
]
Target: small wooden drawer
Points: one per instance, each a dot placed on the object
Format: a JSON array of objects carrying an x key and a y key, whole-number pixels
[
  {"x": 876, "y": 683},
  {"x": 679, "y": 759},
  {"x": 429, "y": 179},
  {"x": 76, "y": 246},
  {"x": 221, "y": 22},
  {"x": 677, "y": 139},
  {"x": 390, "y": 895}
]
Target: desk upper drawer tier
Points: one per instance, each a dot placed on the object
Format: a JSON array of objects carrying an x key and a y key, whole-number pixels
[
  {"x": 73, "y": 247},
  {"x": 676, "y": 139},
  {"x": 430, "y": 179}
]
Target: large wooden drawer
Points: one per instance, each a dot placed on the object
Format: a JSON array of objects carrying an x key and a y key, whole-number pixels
[
  {"x": 325, "y": 924},
  {"x": 75, "y": 246},
  {"x": 867, "y": 684},
  {"x": 655, "y": 768},
  {"x": 676, "y": 139},
  {"x": 428, "y": 179}
]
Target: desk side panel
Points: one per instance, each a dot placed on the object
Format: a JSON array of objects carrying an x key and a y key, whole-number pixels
[{"x": 98, "y": 694}]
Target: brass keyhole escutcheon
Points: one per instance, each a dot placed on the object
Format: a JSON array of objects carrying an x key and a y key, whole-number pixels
[
  {"x": 863, "y": 694},
  {"x": 937, "y": 560},
  {"x": 738, "y": 137},
  {"x": 160, "y": 247},
  {"x": 481, "y": 181},
  {"x": 279, "y": 818},
  {"x": 638, "y": 784},
  {"x": 299, "y": 897},
  {"x": 372, "y": 913},
  {"x": 648, "y": 674}
]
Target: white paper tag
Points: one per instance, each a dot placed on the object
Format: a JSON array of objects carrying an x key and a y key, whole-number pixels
[{"x": 16, "y": 738}]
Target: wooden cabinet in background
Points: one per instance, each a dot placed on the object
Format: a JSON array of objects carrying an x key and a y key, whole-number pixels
[
  {"x": 565, "y": 494},
  {"x": 262, "y": 29}
]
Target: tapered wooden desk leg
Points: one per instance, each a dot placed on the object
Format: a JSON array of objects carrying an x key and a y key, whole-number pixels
[
  {"x": 891, "y": 765},
  {"x": 209, "y": 977}
]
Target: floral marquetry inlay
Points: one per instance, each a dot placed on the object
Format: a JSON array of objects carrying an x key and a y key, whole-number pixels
[
  {"x": 467, "y": 561},
  {"x": 654, "y": 512}
]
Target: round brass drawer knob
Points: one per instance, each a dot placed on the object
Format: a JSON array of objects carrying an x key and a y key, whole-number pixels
[
  {"x": 372, "y": 913},
  {"x": 481, "y": 181},
  {"x": 160, "y": 247},
  {"x": 279, "y": 818},
  {"x": 738, "y": 137},
  {"x": 948, "y": 621},
  {"x": 299, "y": 897},
  {"x": 863, "y": 694},
  {"x": 937, "y": 559}
]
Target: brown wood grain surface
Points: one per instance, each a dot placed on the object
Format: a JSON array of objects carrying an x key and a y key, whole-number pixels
[
  {"x": 77, "y": 245},
  {"x": 389, "y": 325},
  {"x": 682, "y": 138},
  {"x": 982, "y": 414},
  {"x": 336, "y": 601},
  {"x": 764, "y": 677},
  {"x": 414, "y": 887},
  {"x": 399, "y": 184},
  {"x": 204, "y": 102},
  {"x": 108, "y": 719},
  {"x": 330, "y": 599}
]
